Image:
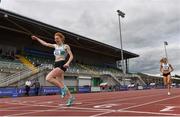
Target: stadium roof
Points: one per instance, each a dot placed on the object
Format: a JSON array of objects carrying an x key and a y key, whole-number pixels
[{"x": 20, "y": 24}]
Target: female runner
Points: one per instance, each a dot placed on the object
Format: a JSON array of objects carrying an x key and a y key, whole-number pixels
[
  {"x": 166, "y": 70},
  {"x": 60, "y": 66}
]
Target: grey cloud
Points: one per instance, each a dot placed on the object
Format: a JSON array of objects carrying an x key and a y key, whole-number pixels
[{"x": 147, "y": 24}]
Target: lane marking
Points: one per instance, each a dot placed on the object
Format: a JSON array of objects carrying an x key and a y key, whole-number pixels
[
  {"x": 151, "y": 102},
  {"x": 57, "y": 109},
  {"x": 124, "y": 109},
  {"x": 156, "y": 113},
  {"x": 50, "y": 110},
  {"x": 76, "y": 103},
  {"x": 88, "y": 108},
  {"x": 48, "y": 102},
  {"x": 169, "y": 108},
  {"x": 135, "y": 93},
  {"x": 139, "y": 112},
  {"x": 30, "y": 112},
  {"x": 106, "y": 105},
  {"x": 82, "y": 108},
  {"x": 126, "y": 99},
  {"x": 17, "y": 107},
  {"x": 101, "y": 113}
]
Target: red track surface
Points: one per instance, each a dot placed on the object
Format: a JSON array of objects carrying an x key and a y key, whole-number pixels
[{"x": 154, "y": 102}]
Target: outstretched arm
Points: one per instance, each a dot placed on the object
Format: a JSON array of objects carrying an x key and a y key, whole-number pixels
[
  {"x": 68, "y": 49},
  {"x": 42, "y": 42}
]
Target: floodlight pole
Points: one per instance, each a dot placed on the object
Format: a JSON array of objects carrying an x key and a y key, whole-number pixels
[
  {"x": 121, "y": 14},
  {"x": 165, "y": 51}
]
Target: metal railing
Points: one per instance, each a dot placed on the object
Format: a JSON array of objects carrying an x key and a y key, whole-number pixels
[
  {"x": 12, "y": 65},
  {"x": 36, "y": 76},
  {"x": 6, "y": 81}
]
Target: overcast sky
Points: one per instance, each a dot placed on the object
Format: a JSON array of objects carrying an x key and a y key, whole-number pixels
[{"x": 147, "y": 24}]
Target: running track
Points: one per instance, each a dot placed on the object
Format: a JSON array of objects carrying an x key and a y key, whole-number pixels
[{"x": 154, "y": 102}]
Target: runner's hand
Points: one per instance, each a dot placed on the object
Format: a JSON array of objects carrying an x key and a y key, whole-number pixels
[
  {"x": 34, "y": 37},
  {"x": 66, "y": 65}
]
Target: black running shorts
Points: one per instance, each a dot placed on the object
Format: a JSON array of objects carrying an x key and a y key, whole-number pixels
[{"x": 60, "y": 64}]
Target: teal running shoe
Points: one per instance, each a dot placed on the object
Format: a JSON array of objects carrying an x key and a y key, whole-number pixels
[{"x": 70, "y": 101}]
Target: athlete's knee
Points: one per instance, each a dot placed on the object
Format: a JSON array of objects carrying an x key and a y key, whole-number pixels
[
  {"x": 48, "y": 78},
  {"x": 168, "y": 83}
]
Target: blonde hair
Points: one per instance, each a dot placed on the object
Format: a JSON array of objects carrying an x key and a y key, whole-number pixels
[
  {"x": 60, "y": 35},
  {"x": 163, "y": 60}
]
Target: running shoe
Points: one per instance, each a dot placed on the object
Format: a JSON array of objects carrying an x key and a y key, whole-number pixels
[{"x": 70, "y": 101}]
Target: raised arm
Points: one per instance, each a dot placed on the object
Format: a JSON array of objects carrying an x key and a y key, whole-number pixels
[{"x": 42, "y": 42}]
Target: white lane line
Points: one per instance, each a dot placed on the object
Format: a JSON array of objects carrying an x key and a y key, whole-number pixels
[
  {"x": 82, "y": 108},
  {"x": 139, "y": 112},
  {"x": 57, "y": 109},
  {"x": 56, "y": 106},
  {"x": 76, "y": 103},
  {"x": 119, "y": 100},
  {"x": 106, "y": 105},
  {"x": 39, "y": 104},
  {"x": 46, "y": 102},
  {"x": 155, "y": 113},
  {"x": 90, "y": 100},
  {"x": 50, "y": 110},
  {"x": 169, "y": 108},
  {"x": 151, "y": 102},
  {"x": 16, "y": 107},
  {"x": 124, "y": 109},
  {"x": 32, "y": 105},
  {"x": 101, "y": 113},
  {"x": 18, "y": 114}
]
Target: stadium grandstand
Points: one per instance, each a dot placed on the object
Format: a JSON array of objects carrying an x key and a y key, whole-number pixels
[
  {"x": 155, "y": 81},
  {"x": 95, "y": 64}
]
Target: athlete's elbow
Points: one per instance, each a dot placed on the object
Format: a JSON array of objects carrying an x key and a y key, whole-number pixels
[{"x": 72, "y": 57}]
